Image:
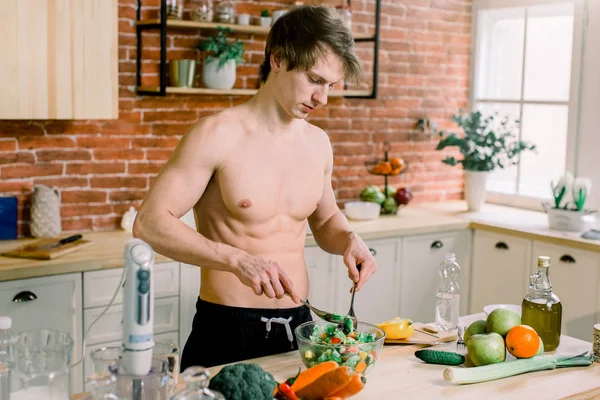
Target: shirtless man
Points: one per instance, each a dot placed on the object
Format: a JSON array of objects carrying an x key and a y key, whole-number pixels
[{"x": 254, "y": 174}]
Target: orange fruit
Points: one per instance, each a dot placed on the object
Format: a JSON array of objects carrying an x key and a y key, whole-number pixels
[{"x": 522, "y": 341}]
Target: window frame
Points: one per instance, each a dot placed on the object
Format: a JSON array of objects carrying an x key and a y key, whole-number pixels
[{"x": 572, "y": 149}]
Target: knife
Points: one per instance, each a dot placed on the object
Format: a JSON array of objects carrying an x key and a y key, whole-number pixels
[{"x": 61, "y": 242}]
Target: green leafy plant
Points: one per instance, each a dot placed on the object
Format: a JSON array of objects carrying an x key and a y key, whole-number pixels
[
  {"x": 487, "y": 143},
  {"x": 264, "y": 13},
  {"x": 221, "y": 49},
  {"x": 578, "y": 187}
]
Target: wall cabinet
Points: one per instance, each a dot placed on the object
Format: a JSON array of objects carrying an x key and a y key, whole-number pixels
[
  {"x": 500, "y": 269},
  {"x": 59, "y": 59}
]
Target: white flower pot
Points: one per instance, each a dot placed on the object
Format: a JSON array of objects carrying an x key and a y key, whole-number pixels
[
  {"x": 569, "y": 220},
  {"x": 475, "y": 189},
  {"x": 265, "y": 22},
  {"x": 219, "y": 78}
]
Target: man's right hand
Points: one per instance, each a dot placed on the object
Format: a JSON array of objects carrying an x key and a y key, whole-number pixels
[{"x": 265, "y": 277}]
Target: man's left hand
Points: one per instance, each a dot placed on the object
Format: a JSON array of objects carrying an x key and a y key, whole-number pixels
[{"x": 357, "y": 253}]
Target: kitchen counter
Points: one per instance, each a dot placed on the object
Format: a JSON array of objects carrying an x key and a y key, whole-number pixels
[
  {"x": 399, "y": 374},
  {"x": 106, "y": 251}
]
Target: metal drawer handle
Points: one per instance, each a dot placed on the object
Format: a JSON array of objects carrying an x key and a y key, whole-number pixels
[
  {"x": 501, "y": 246},
  {"x": 373, "y": 252},
  {"x": 24, "y": 296},
  {"x": 566, "y": 258},
  {"x": 437, "y": 245}
]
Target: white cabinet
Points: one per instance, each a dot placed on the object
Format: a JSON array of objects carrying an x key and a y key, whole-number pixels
[
  {"x": 500, "y": 269},
  {"x": 189, "y": 289},
  {"x": 421, "y": 256},
  {"x": 574, "y": 277},
  {"x": 109, "y": 326},
  {"x": 100, "y": 286},
  {"x": 320, "y": 278},
  {"x": 379, "y": 299},
  {"x": 52, "y": 302}
]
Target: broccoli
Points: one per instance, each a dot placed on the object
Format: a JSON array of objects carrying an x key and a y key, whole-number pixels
[{"x": 244, "y": 381}]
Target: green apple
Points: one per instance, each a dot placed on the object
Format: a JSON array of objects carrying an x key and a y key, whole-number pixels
[
  {"x": 501, "y": 320},
  {"x": 541, "y": 348},
  {"x": 475, "y": 328},
  {"x": 484, "y": 349}
]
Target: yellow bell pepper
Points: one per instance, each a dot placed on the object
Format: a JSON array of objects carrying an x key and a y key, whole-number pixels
[{"x": 397, "y": 328}]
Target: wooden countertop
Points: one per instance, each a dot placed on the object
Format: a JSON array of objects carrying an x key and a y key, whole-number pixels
[
  {"x": 399, "y": 374},
  {"x": 106, "y": 251}
]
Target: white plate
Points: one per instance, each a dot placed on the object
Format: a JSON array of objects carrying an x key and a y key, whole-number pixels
[{"x": 491, "y": 307}]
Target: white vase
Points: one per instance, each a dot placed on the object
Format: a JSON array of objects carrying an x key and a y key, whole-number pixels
[
  {"x": 219, "y": 78},
  {"x": 45, "y": 212},
  {"x": 475, "y": 189}
]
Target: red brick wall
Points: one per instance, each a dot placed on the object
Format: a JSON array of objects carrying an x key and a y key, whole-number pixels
[{"x": 101, "y": 167}]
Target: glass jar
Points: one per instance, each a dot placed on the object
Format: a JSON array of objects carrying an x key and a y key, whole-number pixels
[
  {"x": 196, "y": 386},
  {"x": 225, "y": 12},
  {"x": 203, "y": 11},
  {"x": 174, "y": 9},
  {"x": 541, "y": 308},
  {"x": 346, "y": 15}
]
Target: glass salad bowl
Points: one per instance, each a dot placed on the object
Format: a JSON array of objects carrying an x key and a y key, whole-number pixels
[{"x": 321, "y": 341}]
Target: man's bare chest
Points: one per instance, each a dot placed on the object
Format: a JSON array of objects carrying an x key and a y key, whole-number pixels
[{"x": 257, "y": 186}]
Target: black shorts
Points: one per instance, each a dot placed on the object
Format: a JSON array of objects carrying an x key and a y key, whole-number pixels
[{"x": 223, "y": 334}]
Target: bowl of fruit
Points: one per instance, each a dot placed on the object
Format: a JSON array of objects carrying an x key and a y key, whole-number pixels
[{"x": 321, "y": 341}]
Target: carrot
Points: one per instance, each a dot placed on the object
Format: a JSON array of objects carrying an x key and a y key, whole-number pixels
[
  {"x": 328, "y": 384},
  {"x": 334, "y": 398},
  {"x": 312, "y": 374},
  {"x": 356, "y": 385},
  {"x": 360, "y": 367}
]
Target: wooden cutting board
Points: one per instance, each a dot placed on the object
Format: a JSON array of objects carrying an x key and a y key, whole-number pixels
[
  {"x": 32, "y": 250},
  {"x": 425, "y": 334}
]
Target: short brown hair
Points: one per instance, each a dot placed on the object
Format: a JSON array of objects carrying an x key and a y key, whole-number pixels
[{"x": 296, "y": 36}]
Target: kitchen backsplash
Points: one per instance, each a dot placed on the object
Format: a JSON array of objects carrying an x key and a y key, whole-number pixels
[{"x": 102, "y": 167}]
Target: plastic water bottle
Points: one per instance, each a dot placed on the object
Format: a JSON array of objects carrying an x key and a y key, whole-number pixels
[
  {"x": 447, "y": 294},
  {"x": 6, "y": 356}
]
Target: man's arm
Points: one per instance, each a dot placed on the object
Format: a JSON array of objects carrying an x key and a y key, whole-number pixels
[
  {"x": 177, "y": 188},
  {"x": 333, "y": 233}
]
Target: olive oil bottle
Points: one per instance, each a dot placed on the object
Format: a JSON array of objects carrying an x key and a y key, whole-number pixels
[{"x": 541, "y": 308}]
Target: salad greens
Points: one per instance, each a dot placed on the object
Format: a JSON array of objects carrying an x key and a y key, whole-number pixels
[{"x": 355, "y": 350}]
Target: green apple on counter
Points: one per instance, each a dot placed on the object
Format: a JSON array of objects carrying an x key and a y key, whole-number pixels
[
  {"x": 486, "y": 348},
  {"x": 501, "y": 320},
  {"x": 476, "y": 328}
]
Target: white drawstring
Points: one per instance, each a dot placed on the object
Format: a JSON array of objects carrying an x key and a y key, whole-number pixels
[{"x": 283, "y": 321}]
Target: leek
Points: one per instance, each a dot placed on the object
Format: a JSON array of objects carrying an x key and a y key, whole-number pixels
[{"x": 461, "y": 375}]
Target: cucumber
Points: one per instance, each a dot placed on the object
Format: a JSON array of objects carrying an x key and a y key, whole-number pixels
[{"x": 439, "y": 357}]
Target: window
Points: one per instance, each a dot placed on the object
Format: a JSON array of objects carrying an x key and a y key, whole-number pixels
[{"x": 526, "y": 65}]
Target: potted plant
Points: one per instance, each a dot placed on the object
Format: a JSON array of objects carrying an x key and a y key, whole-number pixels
[
  {"x": 487, "y": 143},
  {"x": 219, "y": 67},
  {"x": 570, "y": 215},
  {"x": 265, "y": 19}
]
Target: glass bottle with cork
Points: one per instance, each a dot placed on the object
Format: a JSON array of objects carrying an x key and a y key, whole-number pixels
[{"x": 541, "y": 308}]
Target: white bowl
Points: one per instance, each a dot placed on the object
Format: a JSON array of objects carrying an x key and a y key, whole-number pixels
[
  {"x": 362, "y": 210},
  {"x": 491, "y": 307}
]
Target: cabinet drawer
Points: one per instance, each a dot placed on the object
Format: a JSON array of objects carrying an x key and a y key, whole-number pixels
[
  {"x": 109, "y": 327},
  {"x": 88, "y": 366},
  {"x": 54, "y": 306},
  {"x": 99, "y": 286}
]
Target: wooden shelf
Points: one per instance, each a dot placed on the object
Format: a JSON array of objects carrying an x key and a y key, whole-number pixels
[
  {"x": 242, "y": 92},
  {"x": 252, "y": 29}
]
